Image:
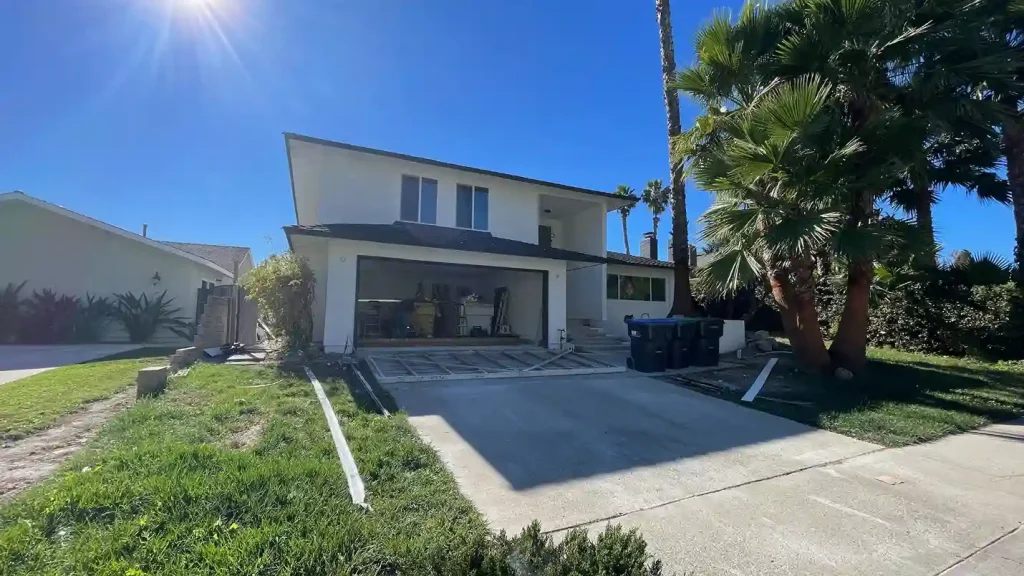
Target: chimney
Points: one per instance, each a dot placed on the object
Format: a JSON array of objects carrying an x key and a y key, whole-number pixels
[
  {"x": 145, "y": 230},
  {"x": 693, "y": 257},
  {"x": 649, "y": 246}
]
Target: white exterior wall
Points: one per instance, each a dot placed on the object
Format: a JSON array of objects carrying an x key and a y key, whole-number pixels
[
  {"x": 338, "y": 186},
  {"x": 54, "y": 252},
  {"x": 586, "y": 232},
  {"x": 340, "y": 290},
  {"x": 617, "y": 309}
]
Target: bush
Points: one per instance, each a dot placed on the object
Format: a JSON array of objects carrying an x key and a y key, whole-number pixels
[
  {"x": 941, "y": 318},
  {"x": 283, "y": 286},
  {"x": 142, "y": 317},
  {"x": 48, "y": 318},
  {"x": 93, "y": 316},
  {"x": 615, "y": 553},
  {"x": 10, "y": 312}
]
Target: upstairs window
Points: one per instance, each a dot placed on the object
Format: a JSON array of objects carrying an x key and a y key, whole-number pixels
[
  {"x": 419, "y": 200},
  {"x": 471, "y": 207}
]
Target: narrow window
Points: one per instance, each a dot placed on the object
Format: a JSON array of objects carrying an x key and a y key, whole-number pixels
[
  {"x": 480, "y": 208},
  {"x": 428, "y": 201},
  {"x": 410, "y": 198},
  {"x": 464, "y": 206},
  {"x": 658, "y": 289},
  {"x": 613, "y": 287}
]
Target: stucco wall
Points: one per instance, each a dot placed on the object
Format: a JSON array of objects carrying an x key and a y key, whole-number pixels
[
  {"x": 336, "y": 186},
  {"x": 586, "y": 232},
  {"x": 70, "y": 257},
  {"x": 340, "y": 290}
]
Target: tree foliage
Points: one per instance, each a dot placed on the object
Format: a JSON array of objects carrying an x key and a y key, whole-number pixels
[{"x": 283, "y": 286}]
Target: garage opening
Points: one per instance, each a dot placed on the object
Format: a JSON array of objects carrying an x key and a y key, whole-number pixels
[{"x": 410, "y": 303}]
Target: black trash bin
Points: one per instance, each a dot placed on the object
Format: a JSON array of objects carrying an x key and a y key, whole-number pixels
[
  {"x": 682, "y": 346},
  {"x": 649, "y": 341},
  {"x": 705, "y": 349}
]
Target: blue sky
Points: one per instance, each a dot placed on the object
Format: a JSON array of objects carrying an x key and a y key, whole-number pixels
[{"x": 136, "y": 111}]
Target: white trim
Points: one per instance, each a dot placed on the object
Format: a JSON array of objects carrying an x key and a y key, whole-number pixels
[{"x": 111, "y": 229}]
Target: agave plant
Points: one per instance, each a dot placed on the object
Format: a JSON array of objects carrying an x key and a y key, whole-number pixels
[
  {"x": 143, "y": 317},
  {"x": 10, "y": 312},
  {"x": 92, "y": 318},
  {"x": 49, "y": 318}
]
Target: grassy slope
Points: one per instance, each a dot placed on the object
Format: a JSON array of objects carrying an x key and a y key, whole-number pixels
[
  {"x": 166, "y": 492},
  {"x": 37, "y": 402},
  {"x": 905, "y": 398}
]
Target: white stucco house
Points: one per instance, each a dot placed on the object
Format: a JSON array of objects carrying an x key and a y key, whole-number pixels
[
  {"x": 50, "y": 247},
  {"x": 381, "y": 229}
]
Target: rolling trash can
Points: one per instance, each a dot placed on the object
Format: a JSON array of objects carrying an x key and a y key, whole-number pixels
[
  {"x": 682, "y": 347},
  {"x": 649, "y": 342},
  {"x": 705, "y": 350}
]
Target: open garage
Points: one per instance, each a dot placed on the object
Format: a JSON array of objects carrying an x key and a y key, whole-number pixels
[{"x": 408, "y": 303}]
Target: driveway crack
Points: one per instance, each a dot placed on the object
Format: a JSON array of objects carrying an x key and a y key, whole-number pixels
[
  {"x": 717, "y": 490},
  {"x": 990, "y": 543}
]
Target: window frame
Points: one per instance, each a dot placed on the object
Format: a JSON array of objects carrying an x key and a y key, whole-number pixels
[
  {"x": 634, "y": 277},
  {"x": 419, "y": 199},
  {"x": 473, "y": 191}
]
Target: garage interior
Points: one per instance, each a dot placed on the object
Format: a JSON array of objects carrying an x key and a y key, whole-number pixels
[{"x": 408, "y": 303}]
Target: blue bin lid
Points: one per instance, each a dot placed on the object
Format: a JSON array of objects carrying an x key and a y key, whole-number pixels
[{"x": 649, "y": 321}]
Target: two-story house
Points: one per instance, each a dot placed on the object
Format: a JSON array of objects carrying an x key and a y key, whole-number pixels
[{"x": 410, "y": 250}]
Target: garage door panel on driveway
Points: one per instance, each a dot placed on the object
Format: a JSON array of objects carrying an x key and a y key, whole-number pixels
[{"x": 568, "y": 451}]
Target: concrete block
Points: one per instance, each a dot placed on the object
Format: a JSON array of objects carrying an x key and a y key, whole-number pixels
[
  {"x": 151, "y": 381},
  {"x": 184, "y": 357}
]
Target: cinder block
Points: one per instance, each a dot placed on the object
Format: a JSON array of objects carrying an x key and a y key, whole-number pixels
[
  {"x": 184, "y": 357},
  {"x": 151, "y": 381}
]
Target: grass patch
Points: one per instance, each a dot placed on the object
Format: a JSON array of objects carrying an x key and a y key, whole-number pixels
[
  {"x": 166, "y": 493},
  {"x": 164, "y": 490},
  {"x": 902, "y": 398},
  {"x": 39, "y": 401}
]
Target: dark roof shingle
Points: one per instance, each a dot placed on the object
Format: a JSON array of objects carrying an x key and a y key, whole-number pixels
[
  {"x": 223, "y": 256},
  {"x": 629, "y": 260},
  {"x": 427, "y": 236}
]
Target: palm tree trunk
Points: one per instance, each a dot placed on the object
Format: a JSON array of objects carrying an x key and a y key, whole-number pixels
[
  {"x": 1013, "y": 148},
  {"x": 923, "y": 209},
  {"x": 682, "y": 300},
  {"x": 849, "y": 349},
  {"x": 800, "y": 317},
  {"x": 655, "y": 221},
  {"x": 625, "y": 234}
]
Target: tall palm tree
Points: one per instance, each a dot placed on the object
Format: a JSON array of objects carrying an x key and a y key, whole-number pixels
[
  {"x": 779, "y": 170},
  {"x": 658, "y": 198},
  {"x": 629, "y": 194},
  {"x": 682, "y": 299}
]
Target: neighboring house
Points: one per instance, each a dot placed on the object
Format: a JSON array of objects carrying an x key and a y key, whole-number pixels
[
  {"x": 381, "y": 228},
  {"x": 53, "y": 248}
]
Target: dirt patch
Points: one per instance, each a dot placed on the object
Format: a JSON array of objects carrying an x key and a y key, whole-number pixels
[
  {"x": 34, "y": 458},
  {"x": 247, "y": 438}
]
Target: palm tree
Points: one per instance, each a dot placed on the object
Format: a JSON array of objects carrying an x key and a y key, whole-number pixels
[
  {"x": 779, "y": 200},
  {"x": 682, "y": 299},
  {"x": 629, "y": 194},
  {"x": 658, "y": 198}
]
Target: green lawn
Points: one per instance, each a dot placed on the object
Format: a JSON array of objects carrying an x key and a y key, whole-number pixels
[
  {"x": 901, "y": 398},
  {"x": 37, "y": 402}
]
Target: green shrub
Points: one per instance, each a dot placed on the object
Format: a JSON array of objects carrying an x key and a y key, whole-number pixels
[
  {"x": 48, "y": 318},
  {"x": 283, "y": 286},
  {"x": 615, "y": 553},
  {"x": 92, "y": 318},
  {"x": 142, "y": 317},
  {"x": 10, "y": 312}
]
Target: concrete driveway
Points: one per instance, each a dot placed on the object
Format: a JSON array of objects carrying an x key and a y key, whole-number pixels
[
  {"x": 20, "y": 361},
  {"x": 720, "y": 489}
]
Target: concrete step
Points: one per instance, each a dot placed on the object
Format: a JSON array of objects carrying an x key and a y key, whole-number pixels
[{"x": 608, "y": 347}]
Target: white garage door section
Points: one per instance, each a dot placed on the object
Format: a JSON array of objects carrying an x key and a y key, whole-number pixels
[{"x": 471, "y": 363}]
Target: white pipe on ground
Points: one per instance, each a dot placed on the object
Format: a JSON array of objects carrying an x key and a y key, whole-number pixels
[{"x": 355, "y": 483}]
